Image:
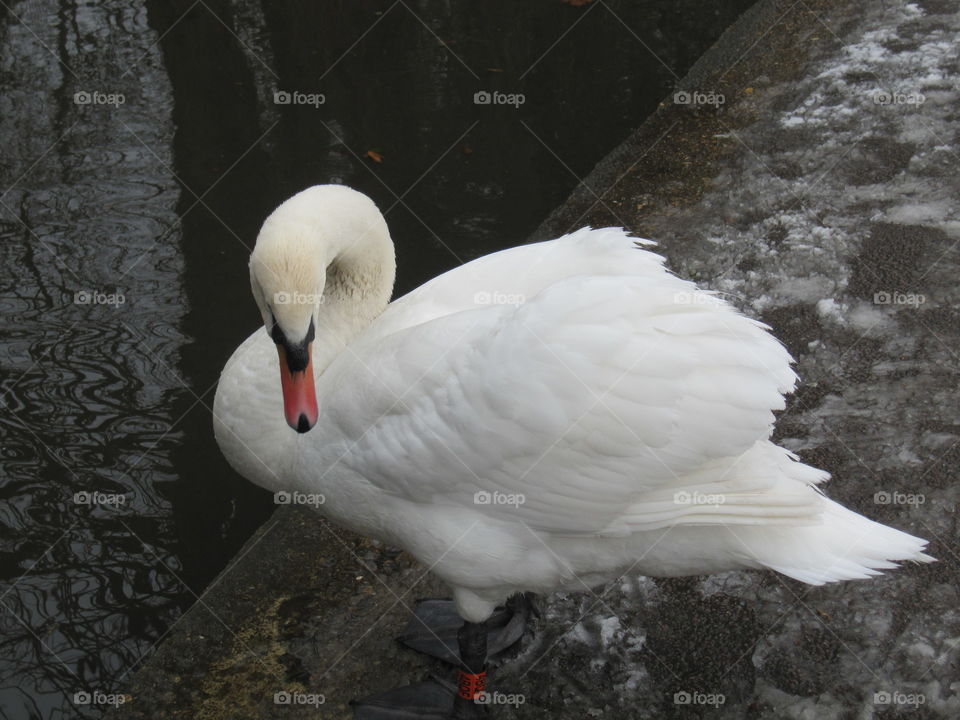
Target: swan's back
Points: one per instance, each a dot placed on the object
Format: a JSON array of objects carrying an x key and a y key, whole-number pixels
[{"x": 512, "y": 276}]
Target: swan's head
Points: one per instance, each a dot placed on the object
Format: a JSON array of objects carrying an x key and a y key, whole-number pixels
[
  {"x": 288, "y": 285},
  {"x": 328, "y": 238}
]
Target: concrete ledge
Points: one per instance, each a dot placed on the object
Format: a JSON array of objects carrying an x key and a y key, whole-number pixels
[{"x": 304, "y": 607}]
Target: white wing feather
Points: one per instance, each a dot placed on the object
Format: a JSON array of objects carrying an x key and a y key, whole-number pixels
[{"x": 614, "y": 389}]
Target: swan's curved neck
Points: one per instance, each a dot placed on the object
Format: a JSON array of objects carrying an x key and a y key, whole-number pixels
[
  {"x": 359, "y": 280},
  {"x": 329, "y": 241}
]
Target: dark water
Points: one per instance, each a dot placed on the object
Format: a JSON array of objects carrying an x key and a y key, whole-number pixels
[{"x": 126, "y": 228}]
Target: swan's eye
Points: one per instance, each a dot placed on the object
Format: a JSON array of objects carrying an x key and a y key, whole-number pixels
[{"x": 297, "y": 356}]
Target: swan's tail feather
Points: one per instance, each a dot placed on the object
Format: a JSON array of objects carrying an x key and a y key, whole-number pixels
[
  {"x": 764, "y": 486},
  {"x": 847, "y": 546},
  {"x": 776, "y": 517}
]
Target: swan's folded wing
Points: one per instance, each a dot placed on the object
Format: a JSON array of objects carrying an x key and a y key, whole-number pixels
[{"x": 585, "y": 409}]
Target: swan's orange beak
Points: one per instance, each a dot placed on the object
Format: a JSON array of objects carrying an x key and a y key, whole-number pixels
[{"x": 299, "y": 395}]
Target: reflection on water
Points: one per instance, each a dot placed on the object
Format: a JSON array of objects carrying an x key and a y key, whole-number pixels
[
  {"x": 91, "y": 301},
  {"x": 143, "y": 143}
]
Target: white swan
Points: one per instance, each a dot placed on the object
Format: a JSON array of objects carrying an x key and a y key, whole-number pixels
[{"x": 546, "y": 417}]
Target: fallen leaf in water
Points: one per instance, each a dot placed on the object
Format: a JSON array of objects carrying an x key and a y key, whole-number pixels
[
  {"x": 374, "y": 155},
  {"x": 467, "y": 150}
]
